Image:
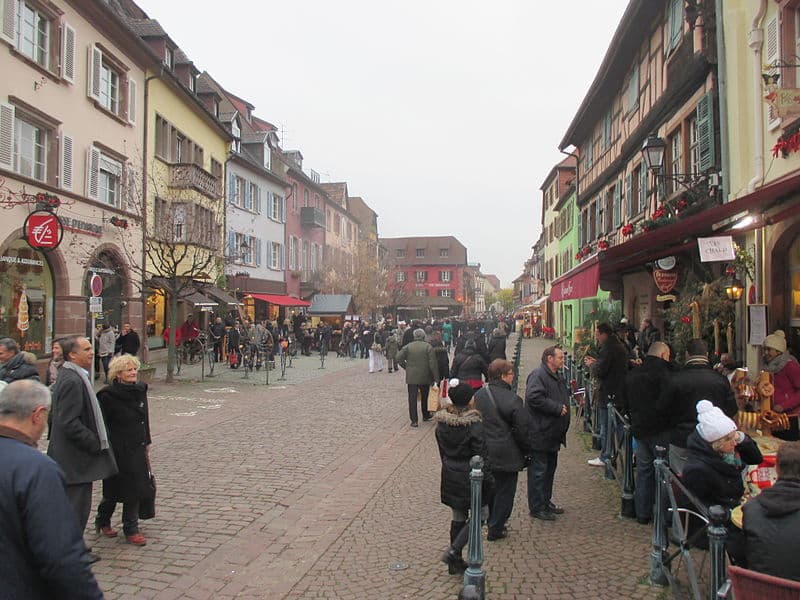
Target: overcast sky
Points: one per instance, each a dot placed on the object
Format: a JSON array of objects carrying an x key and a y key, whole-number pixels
[{"x": 444, "y": 115}]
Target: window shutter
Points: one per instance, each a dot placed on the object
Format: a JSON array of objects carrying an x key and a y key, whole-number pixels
[
  {"x": 675, "y": 24},
  {"x": 617, "y": 204},
  {"x": 9, "y": 32},
  {"x": 283, "y": 209},
  {"x": 248, "y": 200},
  {"x": 269, "y": 255},
  {"x": 258, "y": 251},
  {"x": 95, "y": 61},
  {"x": 68, "y": 53},
  {"x": 65, "y": 177},
  {"x": 256, "y": 198},
  {"x": 773, "y": 55},
  {"x": 283, "y": 257},
  {"x": 705, "y": 132},
  {"x": 643, "y": 188},
  {"x": 132, "y": 101},
  {"x": 599, "y": 219},
  {"x": 629, "y": 200},
  {"x": 580, "y": 228},
  {"x": 93, "y": 173},
  {"x": 231, "y": 188},
  {"x": 232, "y": 246},
  {"x": 7, "y": 113}
]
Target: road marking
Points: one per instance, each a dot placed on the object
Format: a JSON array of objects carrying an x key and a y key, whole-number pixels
[
  {"x": 221, "y": 391},
  {"x": 186, "y": 414}
]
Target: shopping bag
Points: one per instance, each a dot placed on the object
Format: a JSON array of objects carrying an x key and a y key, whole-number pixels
[
  {"x": 433, "y": 398},
  {"x": 147, "y": 505}
]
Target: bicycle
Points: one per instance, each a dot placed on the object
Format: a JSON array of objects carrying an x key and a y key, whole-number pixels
[
  {"x": 249, "y": 352},
  {"x": 192, "y": 350},
  {"x": 209, "y": 357}
]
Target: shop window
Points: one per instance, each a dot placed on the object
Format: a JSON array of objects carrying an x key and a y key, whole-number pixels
[{"x": 26, "y": 298}]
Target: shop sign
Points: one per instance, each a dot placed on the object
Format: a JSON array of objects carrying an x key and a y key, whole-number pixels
[
  {"x": 715, "y": 249},
  {"x": 18, "y": 260},
  {"x": 43, "y": 230},
  {"x": 665, "y": 280},
  {"x": 784, "y": 101},
  {"x": 79, "y": 226}
]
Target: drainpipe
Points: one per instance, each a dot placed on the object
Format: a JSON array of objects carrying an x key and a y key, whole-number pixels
[
  {"x": 755, "y": 39},
  {"x": 722, "y": 84}
]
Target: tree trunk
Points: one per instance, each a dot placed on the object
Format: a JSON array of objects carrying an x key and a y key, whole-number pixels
[{"x": 173, "y": 330}]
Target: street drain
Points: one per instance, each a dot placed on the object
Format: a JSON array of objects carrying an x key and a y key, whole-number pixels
[{"x": 398, "y": 566}]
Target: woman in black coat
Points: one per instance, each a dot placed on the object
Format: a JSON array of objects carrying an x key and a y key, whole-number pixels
[
  {"x": 124, "y": 406},
  {"x": 497, "y": 346},
  {"x": 459, "y": 434},
  {"x": 442, "y": 357},
  {"x": 469, "y": 366}
]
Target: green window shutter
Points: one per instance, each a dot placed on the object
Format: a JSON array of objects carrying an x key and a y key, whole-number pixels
[
  {"x": 643, "y": 189},
  {"x": 580, "y": 228},
  {"x": 705, "y": 132},
  {"x": 617, "y": 205},
  {"x": 629, "y": 199},
  {"x": 675, "y": 23}
]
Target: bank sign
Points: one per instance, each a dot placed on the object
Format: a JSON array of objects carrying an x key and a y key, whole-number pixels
[{"x": 43, "y": 230}]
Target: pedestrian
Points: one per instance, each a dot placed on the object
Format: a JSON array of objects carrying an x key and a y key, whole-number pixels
[
  {"x": 506, "y": 425},
  {"x": 460, "y": 436},
  {"x": 611, "y": 368},
  {"x": 547, "y": 400},
  {"x": 392, "y": 347},
  {"x": 234, "y": 338},
  {"x": 78, "y": 435},
  {"x": 13, "y": 365},
  {"x": 648, "y": 334},
  {"x": 376, "y": 352},
  {"x": 217, "y": 332},
  {"x": 771, "y": 520},
  {"x": 105, "y": 345},
  {"x": 44, "y": 555},
  {"x": 786, "y": 379},
  {"x": 128, "y": 341},
  {"x": 695, "y": 381},
  {"x": 717, "y": 456},
  {"x": 56, "y": 362},
  {"x": 644, "y": 397},
  {"x": 124, "y": 406},
  {"x": 419, "y": 361},
  {"x": 497, "y": 345},
  {"x": 447, "y": 334},
  {"x": 469, "y": 366},
  {"x": 442, "y": 357}
]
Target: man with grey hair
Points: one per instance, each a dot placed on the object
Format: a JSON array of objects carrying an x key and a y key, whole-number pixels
[
  {"x": 422, "y": 369},
  {"x": 43, "y": 551},
  {"x": 13, "y": 366}
]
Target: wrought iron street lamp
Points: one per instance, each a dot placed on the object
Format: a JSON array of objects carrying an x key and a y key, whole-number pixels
[
  {"x": 653, "y": 153},
  {"x": 733, "y": 287}
]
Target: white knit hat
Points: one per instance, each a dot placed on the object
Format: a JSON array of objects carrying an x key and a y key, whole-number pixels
[{"x": 712, "y": 423}]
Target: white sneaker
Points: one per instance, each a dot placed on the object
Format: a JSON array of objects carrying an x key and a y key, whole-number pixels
[{"x": 596, "y": 462}]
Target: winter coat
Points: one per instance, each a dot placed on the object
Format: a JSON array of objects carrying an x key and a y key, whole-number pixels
[
  {"x": 368, "y": 338},
  {"x": 506, "y": 424},
  {"x": 710, "y": 478},
  {"x": 772, "y": 528},
  {"x": 497, "y": 347},
  {"x": 419, "y": 361},
  {"x": 647, "y": 336},
  {"x": 611, "y": 369},
  {"x": 43, "y": 547},
  {"x": 786, "y": 378},
  {"x": 460, "y": 436},
  {"x": 408, "y": 337},
  {"x": 127, "y": 343},
  {"x": 468, "y": 365},
  {"x": 480, "y": 343},
  {"x": 694, "y": 382},
  {"x": 392, "y": 346},
  {"x": 645, "y": 397},
  {"x": 447, "y": 333},
  {"x": 74, "y": 443},
  {"x": 545, "y": 396},
  {"x": 16, "y": 368},
  {"x": 127, "y": 419},
  {"x": 442, "y": 359},
  {"x": 105, "y": 342}
]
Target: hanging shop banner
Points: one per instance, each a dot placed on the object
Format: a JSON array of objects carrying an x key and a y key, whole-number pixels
[
  {"x": 665, "y": 280},
  {"x": 715, "y": 249},
  {"x": 43, "y": 230},
  {"x": 784, "y": 101}
]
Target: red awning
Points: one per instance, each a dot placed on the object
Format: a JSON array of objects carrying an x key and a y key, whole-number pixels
[
  {"x": 280, "y": 300},
  {"x": 580, "y": 282}
]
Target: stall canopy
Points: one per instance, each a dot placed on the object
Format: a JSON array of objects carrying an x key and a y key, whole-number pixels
[
  {"x": 279, "y": 300},
  {"x": 540, "y": 301},
  {"x": 214, "y": 292},
  {"x": 580, "y": 282},
  {"x": 331, "y": 305}
]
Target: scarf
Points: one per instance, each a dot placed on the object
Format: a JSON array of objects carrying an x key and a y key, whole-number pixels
[
  {"x": 98, "y": 415},
  {"x": 777, "y": 363}
]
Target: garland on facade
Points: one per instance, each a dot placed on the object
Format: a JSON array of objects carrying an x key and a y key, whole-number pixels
[
  {"x": 10, "y": 198},
  {"x": 787, "y": 143}
]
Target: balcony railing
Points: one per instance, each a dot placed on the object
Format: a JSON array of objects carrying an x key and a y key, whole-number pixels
[
  {"x": 190, "y": 176},
  {"x": 311, "y": 216}
]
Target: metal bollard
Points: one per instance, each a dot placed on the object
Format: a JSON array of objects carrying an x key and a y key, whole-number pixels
[
  {"x": 611, "y": 429},
  {"x": 597, "y": 444},
  {"x": 475, "y": 576},
  {"x": 657, "y": 566},
  {"x": 628, "y": 509},
  {"x": 717, "y": 534}
]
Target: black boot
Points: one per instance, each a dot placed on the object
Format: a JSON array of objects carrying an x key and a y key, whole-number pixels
[{"x": 458, "y": 539}]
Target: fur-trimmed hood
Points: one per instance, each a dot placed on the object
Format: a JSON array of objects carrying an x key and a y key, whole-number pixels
[{"x": 450, "y": 415}]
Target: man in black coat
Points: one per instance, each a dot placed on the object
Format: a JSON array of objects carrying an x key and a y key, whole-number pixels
[
  {"x": 505, "y": 426},
  {"x": 78, "y": 435},
  {"x": 128, "y": 341},
  {"x": 611, "y": 368},
  {"x": 44, "y": 555},
  {"x": 695, "y": 381},
  {"x": 13, "y": 365},
  {"x": 547, "y": 400},
  {"x": 645, "y": 388}
]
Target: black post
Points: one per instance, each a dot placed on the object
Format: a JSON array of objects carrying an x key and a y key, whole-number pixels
[
  {"x": 717, "y": 534},
  {"x": 611, "y": 430},
  {"x": 628, "y": 509},
  {"x": 657, "y": 566},
  {"x": 597, "y": 444},
  {"x": 475, "y": 575}
]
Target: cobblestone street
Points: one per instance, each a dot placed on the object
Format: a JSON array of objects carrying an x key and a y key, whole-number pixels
[{"x": 314, "y": 491}]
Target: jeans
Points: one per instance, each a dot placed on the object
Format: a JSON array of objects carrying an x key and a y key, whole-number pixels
[
  {"x": 130, "y": 515},
  {"x": 644, "y": 494},
  {"x": 412, "y": 401},
  {"x": 541, "y": 473},
  {"x": 505, "y": 487},
  {"x": 602, "y": 423}
]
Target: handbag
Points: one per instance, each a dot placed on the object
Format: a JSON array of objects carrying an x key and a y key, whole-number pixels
[
  {"x": 433, "y": 398},
  {"x": 147, "y": 505}
]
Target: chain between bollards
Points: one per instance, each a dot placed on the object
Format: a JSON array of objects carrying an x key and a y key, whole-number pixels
[
  {"x": 474, "y": 576},
  {"x": 657, "y": 566}
]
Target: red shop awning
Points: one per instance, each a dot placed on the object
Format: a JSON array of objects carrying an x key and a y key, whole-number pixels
[
  {"x": 280, "y": 300},
  {"x": 580, "y": 282}
]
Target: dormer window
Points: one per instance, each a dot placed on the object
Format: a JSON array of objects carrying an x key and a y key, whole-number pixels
[
  {"x": 192, "y": 83},
  {"x": 267, "y": 156},
  {"x": 169, "y": 58},
  {"x": 236, "y": 131},
  {"x": 216, "y": 109}
]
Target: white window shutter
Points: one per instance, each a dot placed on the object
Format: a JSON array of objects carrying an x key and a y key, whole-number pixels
[
  {"x": 68, "y": 53},
  {"x": 132, "y": 101},
  {"x": 7, "y": 113},
  {"x": 283, "y": 209},
  {"x": 93, "y": 173},
  {"x": 67, "y": 144},
  {"x": 772, "y": 47},
  {"x": 94, "y": 63},
  {"x": 258, "y": 252},
  {"x": 283, "y": 257},
  {"x": 232, "y": 246},
  {"x": 269, "y": 254},
  {"x": 9, "y": 33},
  {"x": 269, "y": 205}
]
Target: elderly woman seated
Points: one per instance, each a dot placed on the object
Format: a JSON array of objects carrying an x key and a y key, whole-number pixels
[{"x": 718, "y": 454}]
